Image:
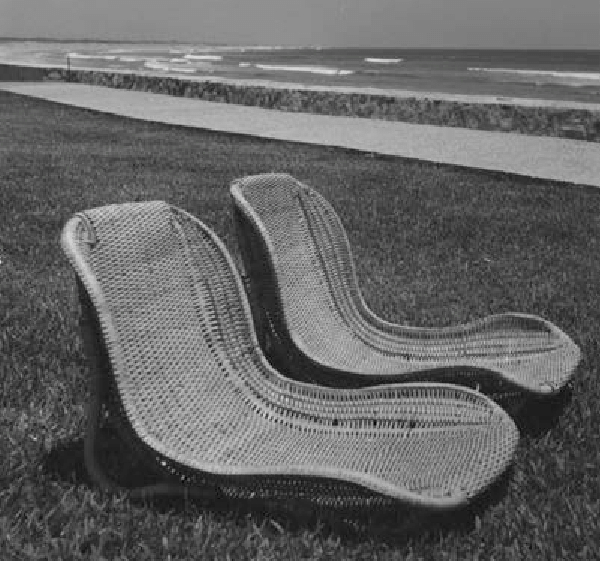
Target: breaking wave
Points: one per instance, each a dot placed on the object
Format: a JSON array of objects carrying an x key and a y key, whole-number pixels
[
  {"x": 203, "y": 57},
  {"x": 130, "y": 59},
  {"x": 305, "y": 68},
  {"x": 566, "y": 75},
  {"x": 161, "y": 66},
  {"x": 383, "y": 60},
  {"x": 95, "y": 57}
]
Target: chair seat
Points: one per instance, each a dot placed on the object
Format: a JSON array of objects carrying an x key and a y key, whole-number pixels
[
  {"x": 197, "y": 398},
  {"x": 313, "y": 321}
]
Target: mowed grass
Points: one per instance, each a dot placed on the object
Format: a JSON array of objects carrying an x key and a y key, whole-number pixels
[{"x": 434, "y": 245}]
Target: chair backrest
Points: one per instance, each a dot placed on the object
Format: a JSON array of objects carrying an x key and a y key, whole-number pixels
[
  {"x": 308, "y": 269},
  {"x": 173, "y": 315}
]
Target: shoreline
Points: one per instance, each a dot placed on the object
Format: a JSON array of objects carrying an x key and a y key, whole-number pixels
[{"x": 537, "y": 117}]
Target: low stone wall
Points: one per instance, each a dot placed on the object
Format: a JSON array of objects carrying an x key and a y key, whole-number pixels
[
  {"x": 13, "y": 73},
  {"x": 541, "y": 121}
]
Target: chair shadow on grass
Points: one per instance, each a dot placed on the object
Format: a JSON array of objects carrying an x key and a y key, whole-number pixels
[
  {"x": 393, "y": 527},
  {"x": 539, "y": 415}
]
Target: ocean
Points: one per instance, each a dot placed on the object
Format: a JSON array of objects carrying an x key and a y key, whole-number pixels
[{"x": 552, "y": 74}]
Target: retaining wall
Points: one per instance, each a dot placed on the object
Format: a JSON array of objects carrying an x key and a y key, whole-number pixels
[{"x": 541, "y": 121}]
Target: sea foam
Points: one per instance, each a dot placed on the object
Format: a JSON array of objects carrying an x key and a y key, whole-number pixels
[
  {"x": 203, "y": 57},
  {"x": 383, "y": 60},
  {"x": 592, "y": 76},
  {"x": 97, "y": 57},
  {"x": 130, "y": 59},
  {"x": 305, "y": 68},
  {"x": 156, "y": 65}
]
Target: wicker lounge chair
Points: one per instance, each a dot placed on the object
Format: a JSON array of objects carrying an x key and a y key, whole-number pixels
[
  {"x": 314, "y": 324},
  {"x": 180, "y": 377}
]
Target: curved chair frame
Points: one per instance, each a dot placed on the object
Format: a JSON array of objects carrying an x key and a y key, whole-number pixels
[
  {"x": 314, "y": 323},
  {"x": 178, "y": 373}
]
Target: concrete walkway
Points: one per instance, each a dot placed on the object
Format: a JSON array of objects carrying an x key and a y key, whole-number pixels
[{"x": 560, "y": 159}]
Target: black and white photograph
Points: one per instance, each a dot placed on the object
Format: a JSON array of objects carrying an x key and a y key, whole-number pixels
[{"x": 286, "y": 280}]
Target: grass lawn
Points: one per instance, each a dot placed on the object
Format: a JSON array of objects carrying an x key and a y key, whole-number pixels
[{"x": 434, "y": 245}]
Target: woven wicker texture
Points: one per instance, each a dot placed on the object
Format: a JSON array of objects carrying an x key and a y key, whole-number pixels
[
  {"x": 198, "y": 398},
  {"x": 313, "y": 320}
]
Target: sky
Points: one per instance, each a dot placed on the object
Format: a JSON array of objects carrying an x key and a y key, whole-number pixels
[{"x": 527, "y": 24}]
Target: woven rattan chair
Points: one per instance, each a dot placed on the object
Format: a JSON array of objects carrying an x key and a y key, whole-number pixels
[
  {"x": 180, "y": 378},
  {"x": 314, "y": 324}
]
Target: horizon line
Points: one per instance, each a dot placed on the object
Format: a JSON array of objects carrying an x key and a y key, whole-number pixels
[{"x": 219, "y": 44}]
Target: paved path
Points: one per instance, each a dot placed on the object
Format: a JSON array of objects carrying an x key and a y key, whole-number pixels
[{"x": 560, "y": 159}]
